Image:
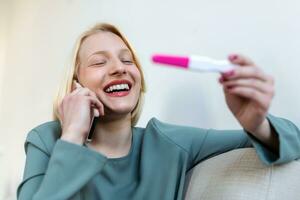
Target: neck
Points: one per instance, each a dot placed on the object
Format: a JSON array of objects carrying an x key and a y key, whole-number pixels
[{"x": 113, "y": 137}]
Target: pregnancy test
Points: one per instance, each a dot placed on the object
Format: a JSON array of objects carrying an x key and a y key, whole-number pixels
[{"x": 197, "y": 63}]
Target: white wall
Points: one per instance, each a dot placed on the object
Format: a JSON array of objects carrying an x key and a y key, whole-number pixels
[
  {"x": 42, "y": 34},
  {"x": 4, "y": 16}
]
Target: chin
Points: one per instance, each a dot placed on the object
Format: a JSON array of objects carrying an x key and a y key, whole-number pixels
[{"x": 121, "y": 109}]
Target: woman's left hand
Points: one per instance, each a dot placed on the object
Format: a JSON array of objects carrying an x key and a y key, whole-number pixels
[{"x": 248, "y": 92}]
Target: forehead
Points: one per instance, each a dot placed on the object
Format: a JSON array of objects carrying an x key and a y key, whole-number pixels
[{"x": 101, "y": 41}]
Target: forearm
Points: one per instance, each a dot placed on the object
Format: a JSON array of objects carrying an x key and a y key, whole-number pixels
[{"x": 70, "y": 167}]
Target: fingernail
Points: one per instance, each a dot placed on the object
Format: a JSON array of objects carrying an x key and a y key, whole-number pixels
[
  {"x": 233, "y": 57},
  {"x": 96, "y": 113},
  {"x": 229, "y": 73}
]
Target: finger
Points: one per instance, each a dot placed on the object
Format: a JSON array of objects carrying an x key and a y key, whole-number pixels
[
  {"x": 96, "y": 112},
  {"x": 253, "y": 83},
  {"x": 76, "y": 87},
  {"x": 260, "y": 98},
  {"x": 87, "y": 92},
  {"x": 77, "y": 84},
  {"x": 241, "y": 60},
  {"x": 73, "y": 87},
  {"x": 246, "y": 72},
  {"x": 97, "y": 104},
  {"x": 84, "y": 92},
  {"x": 101, "y": 109},
  {"x": 77, "y": 91},
  {"x": 74, "y": 92}
]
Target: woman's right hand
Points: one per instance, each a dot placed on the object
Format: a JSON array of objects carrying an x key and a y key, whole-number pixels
[{"x": 76, "y": 112}]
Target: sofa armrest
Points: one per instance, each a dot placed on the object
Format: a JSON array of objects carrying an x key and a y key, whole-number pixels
[{"x": 240, "y": 175}]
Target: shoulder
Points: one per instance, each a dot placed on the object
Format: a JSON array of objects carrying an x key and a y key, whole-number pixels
[
  {"x": 181, "y": 135},
  {"x": 170, "y": 129},
  {"x": 44, "y": 136}
]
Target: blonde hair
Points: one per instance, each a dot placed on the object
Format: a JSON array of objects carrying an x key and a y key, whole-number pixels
[{"x": 66, "y": 85}]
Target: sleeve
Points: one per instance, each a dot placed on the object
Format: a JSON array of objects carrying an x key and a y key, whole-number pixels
[
  {"x": 59, "y": 175},
  {"x": 289, "y": 142},
  {"x": 220, "y": 141}
]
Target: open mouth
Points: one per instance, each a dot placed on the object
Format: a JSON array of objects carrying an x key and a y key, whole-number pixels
[{"x": 118, "y": 88}]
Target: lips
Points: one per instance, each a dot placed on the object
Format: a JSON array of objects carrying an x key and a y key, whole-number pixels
[
  {"x": 118, "y": 94},
  {"x": 116, "y": 82}
]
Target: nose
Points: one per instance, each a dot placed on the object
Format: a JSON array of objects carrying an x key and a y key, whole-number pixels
[{"x": 117, "y": 68}]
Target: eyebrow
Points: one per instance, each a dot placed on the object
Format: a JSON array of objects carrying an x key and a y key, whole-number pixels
[
  {"x": 106, "y": 52},
  {"x": 97, "y": 52}
]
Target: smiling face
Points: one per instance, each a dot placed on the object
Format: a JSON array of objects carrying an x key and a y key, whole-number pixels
[{"x": 107, "y": 68}]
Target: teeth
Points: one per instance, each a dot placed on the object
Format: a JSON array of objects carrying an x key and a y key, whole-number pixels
[{"x": 117, "y": 87}]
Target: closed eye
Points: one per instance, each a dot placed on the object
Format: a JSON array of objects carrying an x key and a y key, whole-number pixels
[
  {"x": 129, "y": 62},
  {"x": 98, "y": 64}
]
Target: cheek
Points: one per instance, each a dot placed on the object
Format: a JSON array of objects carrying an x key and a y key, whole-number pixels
[
  {"x": 92, "y": 78},
  {"x": 137, "y": 75}
]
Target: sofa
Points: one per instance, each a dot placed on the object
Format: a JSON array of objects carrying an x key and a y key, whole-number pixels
[
  {"x": 240, "y": 175},
  {"x": 236, "y": 175}
]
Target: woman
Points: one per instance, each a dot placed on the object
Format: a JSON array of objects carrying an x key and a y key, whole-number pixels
[{"x": 127, "y": 162}]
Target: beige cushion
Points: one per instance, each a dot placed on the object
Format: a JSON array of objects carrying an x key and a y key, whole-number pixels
[{"x": 240, "y": 175}]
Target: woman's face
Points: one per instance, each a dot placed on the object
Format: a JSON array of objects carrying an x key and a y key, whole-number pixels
[{"x": 108, "y": 69}]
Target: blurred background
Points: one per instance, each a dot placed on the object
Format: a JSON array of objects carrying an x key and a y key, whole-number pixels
[{"x": 37, "y": 37}]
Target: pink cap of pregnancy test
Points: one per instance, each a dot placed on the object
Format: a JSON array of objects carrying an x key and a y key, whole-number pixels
[{"x": 178, "y": 61}]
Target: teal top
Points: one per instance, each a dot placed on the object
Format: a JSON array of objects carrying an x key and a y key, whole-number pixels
[{"x": 160, "y": 156}]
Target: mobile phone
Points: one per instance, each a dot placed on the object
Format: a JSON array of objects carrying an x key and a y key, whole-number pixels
[
  {"x": 93, "y": 123},
  {"x": 92, "y": 130}
]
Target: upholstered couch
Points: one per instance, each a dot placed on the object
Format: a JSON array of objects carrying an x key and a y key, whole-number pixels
[{"x": 240, "y": 175}]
